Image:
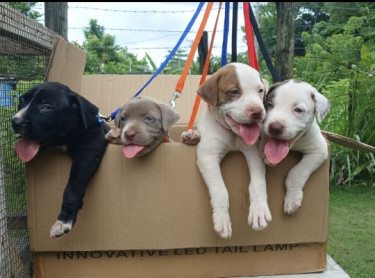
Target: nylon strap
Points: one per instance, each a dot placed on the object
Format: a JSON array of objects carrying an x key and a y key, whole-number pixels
[
  {"x": 253, "y": 61},
  {"x": 184, "y": 34},
  {"x": 204, "y": 73},
  {"x": 185, "y": 71},
  {"x": 262, "y": 47},
  {"x": 234, "y": 31},
  {"x": 225, "y": 35}
]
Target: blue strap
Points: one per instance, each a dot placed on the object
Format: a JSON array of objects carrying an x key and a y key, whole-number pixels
[
  {"x": 174, "y": 49},
  {"x": 113, "y": 114},
  {"x": 234, "y": 31},
  {"x": 225, "y": 35}
]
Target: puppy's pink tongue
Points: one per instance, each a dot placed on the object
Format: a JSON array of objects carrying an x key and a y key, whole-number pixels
[
  {"x": 250, "y": 133},
  {"x": 276, "y": 150},
  {"x": 131, "y": 150},
  {"x": 26, "y": 149}
]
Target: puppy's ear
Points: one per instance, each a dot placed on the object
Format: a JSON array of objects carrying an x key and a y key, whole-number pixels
[
  {"x": 209, "y": 90},
  {"x": 265, "y": 83},
  {"x": 116, "y": 121},
  {"x": 266, "y": 87},
  {"x": 322, "y": 105},
  {"x": 87, "y": 110},
  {"x": 168, "y": 116}
]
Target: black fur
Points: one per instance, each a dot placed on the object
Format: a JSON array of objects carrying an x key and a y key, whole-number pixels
[{"x": 54, "y": 115}]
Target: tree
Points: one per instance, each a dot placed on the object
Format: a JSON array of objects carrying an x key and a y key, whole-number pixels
[
  {"x": 308, "y": 14},
  {"x": 104, "y": 56},
  {"x": 56, "y": 17},
  {"x": 339, "y": 62},
  {"x": 177, "y": 63},
  {"x": 26, "y": 8},
  {"x": 285, "y": 39}
]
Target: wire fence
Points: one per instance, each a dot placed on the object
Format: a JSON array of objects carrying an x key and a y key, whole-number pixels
[{"x": 25, "y": 50}]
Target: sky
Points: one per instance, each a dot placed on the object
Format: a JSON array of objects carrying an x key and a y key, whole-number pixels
[{"x": 152, "y": 27}]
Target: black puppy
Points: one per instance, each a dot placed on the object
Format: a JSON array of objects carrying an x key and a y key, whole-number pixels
[{"x": 50, "y": 114}]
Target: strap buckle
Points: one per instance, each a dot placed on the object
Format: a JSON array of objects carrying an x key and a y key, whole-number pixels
[{"x": 172, "y": 102}]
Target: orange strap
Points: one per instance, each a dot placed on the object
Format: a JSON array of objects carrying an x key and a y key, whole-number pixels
[
  {"x": 204, "y": 73},
  {"x": 181, "y": 81}
]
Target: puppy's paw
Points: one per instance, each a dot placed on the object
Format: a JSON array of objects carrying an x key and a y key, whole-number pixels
[
  {"x": 222, "y": 224},
  {"x": 292, "y": 201},
  {"x": 60, "y": 228},
  {"x": 259, "y": 216},
  {"x": 113, "y": 136},
  {"x": 190, "y": 137}
]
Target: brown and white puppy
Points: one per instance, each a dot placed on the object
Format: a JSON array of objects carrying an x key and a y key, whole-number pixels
[
  {"x": 141, "y": 125},
  {"x": 294, "y": 109},
  {"x": 234, "y": 95}
]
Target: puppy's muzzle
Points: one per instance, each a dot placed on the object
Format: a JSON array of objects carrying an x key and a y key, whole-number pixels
[
  {"x": 276, "y": 129},
  {"x": 17, "y": 124}
]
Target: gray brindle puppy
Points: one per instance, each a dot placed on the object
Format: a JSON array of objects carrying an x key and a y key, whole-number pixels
[{"x": 142, "y": 124}]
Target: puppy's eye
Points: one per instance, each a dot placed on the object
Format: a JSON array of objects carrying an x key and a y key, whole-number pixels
[
  {"x": 123, "y": 118},
  {"x": 261, "y": 91},
  {"x": 269, "y": 105},
  {"x": 43, "y": 108},
  {"x": 298, "y": 110},
  {"x": 148, "y": 118},
  {"x": 234, "y": 92}
]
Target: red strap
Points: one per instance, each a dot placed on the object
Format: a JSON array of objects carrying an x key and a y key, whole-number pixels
[{"x": 253, "y": 62}]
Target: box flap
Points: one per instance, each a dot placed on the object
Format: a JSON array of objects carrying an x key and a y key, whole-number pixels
[
  {"x": 161, "y": 202},
  {"x": 67, "y": 64}
]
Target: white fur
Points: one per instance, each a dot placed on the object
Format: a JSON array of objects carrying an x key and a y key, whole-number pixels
[
  {"x": 296, "y": 106},
  {"x": 219, "y": 135}
]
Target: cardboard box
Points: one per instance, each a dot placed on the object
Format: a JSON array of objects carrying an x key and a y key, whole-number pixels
[{"x": 150, "y": 216}]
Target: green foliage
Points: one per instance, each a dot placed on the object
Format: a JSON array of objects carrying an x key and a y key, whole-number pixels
[
  {"x": 340, "y": 62},
  {"x": 104, "y": 56},
  {"x": 177, "y": 63},
  {"x": 26, "y": 8}
]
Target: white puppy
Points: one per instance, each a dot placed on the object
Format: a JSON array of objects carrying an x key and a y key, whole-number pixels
[
  {"x": 234, "y": 95},
  {"x": 292, "y": 108}
]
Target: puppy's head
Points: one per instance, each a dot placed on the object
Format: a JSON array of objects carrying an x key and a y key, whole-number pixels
[
  {"x": 292, "y": 107},
  {"x": 50, "y": 114},
  {"x": 144, "y": 123},
  {"x": 235, "y": 94}
]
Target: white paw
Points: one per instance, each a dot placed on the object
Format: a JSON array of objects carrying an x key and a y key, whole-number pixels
[
  {"x": 259, "y": 215},
  {"x": 292, "y": 200},
  {"x": 222, "y": 224},
  {"x": 60, "y": 228},
  {"x": 190, "y": 137}
]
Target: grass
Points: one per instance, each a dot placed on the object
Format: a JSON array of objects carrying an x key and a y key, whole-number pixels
[{"x": 352, "y": 229}]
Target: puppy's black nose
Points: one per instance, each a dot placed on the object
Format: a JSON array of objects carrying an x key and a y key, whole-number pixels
[
  {"x": 276, "y": 128},
  {"x": 16, "y": 123}
]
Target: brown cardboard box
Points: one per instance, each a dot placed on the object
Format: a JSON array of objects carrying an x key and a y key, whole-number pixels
[{"x": 150, "y": 216}]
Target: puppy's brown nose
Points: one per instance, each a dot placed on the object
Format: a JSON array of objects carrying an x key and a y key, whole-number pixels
[
  {"x": 276, "y": 128},
  {"x": 256, "y": 113},
  {"x": 130, "y": 134}
]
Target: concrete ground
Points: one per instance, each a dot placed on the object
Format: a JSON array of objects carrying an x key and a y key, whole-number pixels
[{"x": 333, "y": 271}]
